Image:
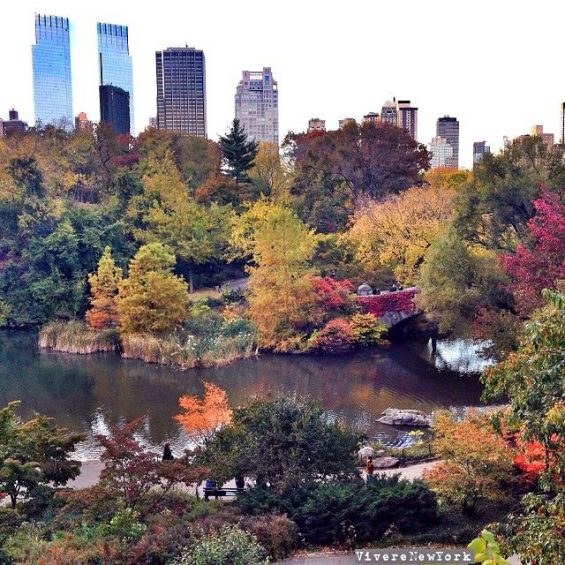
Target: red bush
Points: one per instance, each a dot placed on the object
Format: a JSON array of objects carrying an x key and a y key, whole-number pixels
[
  {"x": 331, "y": 293},
  {"x": 335, "y": 337}
]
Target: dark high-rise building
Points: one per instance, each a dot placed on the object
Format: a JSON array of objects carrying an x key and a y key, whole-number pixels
[
  {"x": 181, "y": 90},
  {"x": 407, "y": 117},
  {"x": 448, "y": 128},
  {"x": 114, "y": 60},
  {"x": 51, "y": 60},
  {"x": 479, "y": 149},
  {"x": 114, "y": 107},
  {"x": 13, "y": 125}
]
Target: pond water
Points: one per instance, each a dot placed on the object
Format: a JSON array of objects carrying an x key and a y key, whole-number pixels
[{"x": 87, "y": 393}]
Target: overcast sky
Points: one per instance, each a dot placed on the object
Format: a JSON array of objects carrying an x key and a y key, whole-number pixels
[{"x": 497, "y": 65}]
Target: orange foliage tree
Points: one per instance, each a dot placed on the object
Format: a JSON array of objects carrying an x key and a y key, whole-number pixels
[
  {"x": 103, "y": 290},
  {"x": 476, "y": 461},
  {"x": 202, "y": 417}
]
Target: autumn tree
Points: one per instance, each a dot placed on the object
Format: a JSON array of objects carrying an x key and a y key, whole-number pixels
[
  {"x": 475, "y": 460},
  {"x": 372, "y": 159},
  {"x": 201, "y": 418},
  {"x": 34, "y": 455},
  {"x": 238, "y": 152},
  {"x": 103, "y": 290},
  {"x": 540, "y": 262},
  {"x": 269, "y": 175},
  {"x": 151, "y": 299},
  {"x": 280, "y": 292},
  {"x": 398, "y": 231}
]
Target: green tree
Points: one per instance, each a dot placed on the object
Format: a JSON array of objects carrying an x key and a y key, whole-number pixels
[
  {"x": 34, "y": 455},
  {"x": 152, "y": 299},
  {"x": 285, "y": 442},
  {"x": 238, "y": 153},
  {"x": 103, "y": 291}
]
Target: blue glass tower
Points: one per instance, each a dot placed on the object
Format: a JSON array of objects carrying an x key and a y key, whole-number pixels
[
  {"x": 115, "y": 61},
  {"x": 51, "y": 59}
]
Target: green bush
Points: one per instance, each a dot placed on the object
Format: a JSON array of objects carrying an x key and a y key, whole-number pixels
[
  {"x": 229, "y": 546},
  {"x": 351, "y": 512}
]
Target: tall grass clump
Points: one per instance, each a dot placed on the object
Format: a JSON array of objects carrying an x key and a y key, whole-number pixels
[{"x": 76, "y": 337}]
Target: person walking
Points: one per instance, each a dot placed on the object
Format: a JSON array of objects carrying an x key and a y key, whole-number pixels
[{"x": 369, "y": 469}]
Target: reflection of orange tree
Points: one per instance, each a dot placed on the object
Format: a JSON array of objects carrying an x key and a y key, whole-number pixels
[{"x": 201, "y": 418}]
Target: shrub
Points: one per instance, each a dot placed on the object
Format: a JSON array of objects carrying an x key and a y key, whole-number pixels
[
  {"x": 277, "y": 533},
  {"x": 335, "y": 337},
  {"x": 366, "y": 329},
  {"x": 229, "y": 546},
  {"x": 348, "y": 513}
]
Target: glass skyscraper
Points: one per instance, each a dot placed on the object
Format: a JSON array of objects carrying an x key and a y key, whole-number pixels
[
  {"x": 181, "y": 90},
  {"x": 51, "y": 60},
  {"x": 114, "y": 60}
]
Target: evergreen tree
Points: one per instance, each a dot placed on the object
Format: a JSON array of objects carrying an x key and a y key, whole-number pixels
[{"x": 239, "y": 153}]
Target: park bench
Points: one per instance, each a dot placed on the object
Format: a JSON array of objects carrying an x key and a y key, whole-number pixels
[{"x": 224, "y": 491}]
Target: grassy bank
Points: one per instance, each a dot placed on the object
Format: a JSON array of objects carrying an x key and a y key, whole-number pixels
[
  {"x": 76, "y": 337},
  {"x": 189, "y": 351}
]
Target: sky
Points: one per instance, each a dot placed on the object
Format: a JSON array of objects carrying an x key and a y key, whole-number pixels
[{"x": 496, "y": 65}]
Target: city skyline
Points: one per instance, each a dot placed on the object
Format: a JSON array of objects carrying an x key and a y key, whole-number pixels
[{"x": 309, "y": 82}]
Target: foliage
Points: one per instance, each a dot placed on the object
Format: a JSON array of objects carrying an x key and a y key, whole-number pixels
[
  {"x": 398, "y": 231},
  {"x": 372, "y": 160},
  {"x": 229, "y": 546},
  {"x": 366, "y": 329},
  {"x": 335, "y": 337},
  {"x": 379, "y": 304},
  {"x": 283, "y": 442},
  {"x": 238, "y": 153},
  {"x": 486, "y": 550},
  {"x": 475, "y": 461},
  {"x": 201, "y": 418},
  {"x": 34, "y": 455},
  {"x": 151, "y": 299},
  {"x": 103, "y": 290},
  {"x": 277, "y": 533},
  {"x": 269, "y": 175},
  {"x": 280, "y": 292},
  {"x": 533, "y": 381},
  {"x": 349, "y": 512},
  {"x": 334, "y": 295},
  {"x": 540, "y": 263}
]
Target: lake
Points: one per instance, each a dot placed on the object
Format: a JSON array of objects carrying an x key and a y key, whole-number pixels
[{"x": 89, "y": 392}]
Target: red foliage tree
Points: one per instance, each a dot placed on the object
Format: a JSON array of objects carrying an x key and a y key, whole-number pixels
[
  {"x": 333, "y": 294},
  {"x": 541, "y": 263}
]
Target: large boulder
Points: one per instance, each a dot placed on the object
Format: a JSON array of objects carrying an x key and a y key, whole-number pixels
[
  {"x": 396, "y": 417},
  {"x": 364, "y": 452},
  {"x": 385, "y": 462}
]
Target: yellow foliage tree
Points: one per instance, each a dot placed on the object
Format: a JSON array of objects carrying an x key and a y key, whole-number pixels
[
  {"x": 280, "y": 292},
  {"x": 398, "y": 231},
  {"x": 152, "y": 299},
  {"x": 103, "y": 290},
  {"x": 269, "y": 173},
  {"x": 202, "y": 417}
]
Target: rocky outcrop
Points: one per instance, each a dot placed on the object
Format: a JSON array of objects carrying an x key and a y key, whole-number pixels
[
  {"x": 385, "y": 462},
  {"x": 396, "y": 417}
]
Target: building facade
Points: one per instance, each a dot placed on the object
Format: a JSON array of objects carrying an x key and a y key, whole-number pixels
[
  {"x": 115, "y": 108},
  {"x": 51, "y": 61},
  {"x": 389, "y": 112},
  {"x": 407, "y": 117},
  {"x": 257, "y": 105},
  {"x": 442, "y": 152},
  {"x": 479, "y": 150},
  {"x": 315, "y": 125},
  {"x": 371, "y": 118},
  {"x": 181, "y": 90},
  {"x": 13, "y": 125},
  {"x": 114, "y": 61},
  {"x": 346, "y": 122},
  {"x": 547, "y": 138},
  {"x": 82, "y": 122},
  {"x": 448, "y": 129}
]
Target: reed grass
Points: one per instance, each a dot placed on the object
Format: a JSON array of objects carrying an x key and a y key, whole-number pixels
[{"x": 76, "y": 337}]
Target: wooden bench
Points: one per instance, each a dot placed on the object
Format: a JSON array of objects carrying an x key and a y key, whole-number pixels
[{"x": 224, "y": 491}]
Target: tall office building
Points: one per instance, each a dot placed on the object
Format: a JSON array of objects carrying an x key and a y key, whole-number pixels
[
  {"x": 181, "y": 90},
  {"x": 448, "y": 128},
  {"x": 402, "y": 114},
  {"x": 407, "y": 117},
  {"x": 51, "y": 60},
  {"x": 114, "y": 61},
  {"x": 479, "y": 150},
  {"x": 257, "y": 105},
  {"x": 115, "y": 108},
  {"x": 442, "y": 152}
]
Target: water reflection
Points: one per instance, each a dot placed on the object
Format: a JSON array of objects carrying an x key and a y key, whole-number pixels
[{"x": 90, "y": 392}]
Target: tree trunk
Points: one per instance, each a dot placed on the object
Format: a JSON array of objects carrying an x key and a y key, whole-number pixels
[{"x": 190, "y": 281}]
